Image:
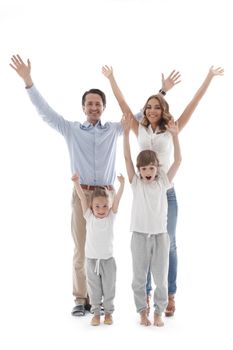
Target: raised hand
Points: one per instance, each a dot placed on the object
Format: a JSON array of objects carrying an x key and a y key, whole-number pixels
[
  {"x": 170, "y": 81},
  {"x": 107, "y": 71},
  {"x": 76, "y": 178},
  {"x": 172, "y": 127},
  {"x": 22, "y": 69},
  {"x": 121, "y": 179},
  {"x": 216, "y": 71}
]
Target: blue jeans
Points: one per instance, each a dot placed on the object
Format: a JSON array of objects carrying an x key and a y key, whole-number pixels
[{"x": 171, "y": 229}]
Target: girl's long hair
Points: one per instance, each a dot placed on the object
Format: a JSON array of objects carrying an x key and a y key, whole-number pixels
[{"x": 99, "y": 191}]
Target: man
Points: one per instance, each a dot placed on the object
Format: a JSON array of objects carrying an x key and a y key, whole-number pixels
[{"x": 92, "y": 150}]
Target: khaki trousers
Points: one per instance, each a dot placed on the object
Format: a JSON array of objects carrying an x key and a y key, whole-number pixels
[{"x": 78, "y": 230}]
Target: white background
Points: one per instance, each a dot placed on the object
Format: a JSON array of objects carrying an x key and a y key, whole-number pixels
[{"x": 67, "y": 43}]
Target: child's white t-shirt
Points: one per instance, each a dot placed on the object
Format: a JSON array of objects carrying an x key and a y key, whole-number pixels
[
  {"x": 99, "y": 237},
  {"x": 149, "y": 208}
]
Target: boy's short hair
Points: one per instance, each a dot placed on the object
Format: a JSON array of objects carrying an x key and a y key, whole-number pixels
[{"x": 147, "y": 157}]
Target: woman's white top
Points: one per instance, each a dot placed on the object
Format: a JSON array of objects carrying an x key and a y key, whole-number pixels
[
  {"x": 149, "y": 208},
  {"x": 99, "y": 237},
  {"x": 161, "y": 143}
]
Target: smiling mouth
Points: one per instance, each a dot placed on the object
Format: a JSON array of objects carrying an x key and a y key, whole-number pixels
[{"x": 148, "y": 178}]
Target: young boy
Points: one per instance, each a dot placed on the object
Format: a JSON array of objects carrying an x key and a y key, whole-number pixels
[{"x": 150, "y": 240}]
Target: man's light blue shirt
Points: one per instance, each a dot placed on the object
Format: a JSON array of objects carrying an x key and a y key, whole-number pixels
[{"x": 92, "y": 149}]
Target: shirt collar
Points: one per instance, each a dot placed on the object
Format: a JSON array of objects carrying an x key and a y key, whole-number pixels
[
  {"x": 88, "y": 125},
  {"x": 151, "y": 130}
]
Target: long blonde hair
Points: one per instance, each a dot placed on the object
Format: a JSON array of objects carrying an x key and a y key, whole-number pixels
[{"x": 165, "y": 116}]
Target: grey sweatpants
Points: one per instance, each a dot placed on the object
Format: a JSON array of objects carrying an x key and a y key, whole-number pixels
[
  {"x": 150, "y": 251},
  {"x": 101, "y": 286}
]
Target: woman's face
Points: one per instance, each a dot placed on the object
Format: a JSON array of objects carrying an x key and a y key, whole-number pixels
[{"x": 153, "y": 111}]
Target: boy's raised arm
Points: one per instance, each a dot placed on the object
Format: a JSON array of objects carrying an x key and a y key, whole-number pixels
[
  {"x": 174, "y": 130},
  {"x": 127, "y": 153}
]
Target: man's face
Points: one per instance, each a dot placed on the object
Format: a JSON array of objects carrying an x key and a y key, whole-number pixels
[{"x": 93, "y": 108}]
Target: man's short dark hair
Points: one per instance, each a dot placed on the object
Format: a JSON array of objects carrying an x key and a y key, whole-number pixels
[{"x": 94, "y": 91}]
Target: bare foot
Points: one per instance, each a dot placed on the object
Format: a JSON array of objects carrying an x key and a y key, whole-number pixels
[
  {"x": 144, "y": 319},
  {"x": 108, "y": 319},
  {"x": 158, "y": 321},
  {"x": 95, "y": 321}
]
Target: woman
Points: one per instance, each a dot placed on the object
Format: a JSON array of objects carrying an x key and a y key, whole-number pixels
[{"x": 152, "y": 134}]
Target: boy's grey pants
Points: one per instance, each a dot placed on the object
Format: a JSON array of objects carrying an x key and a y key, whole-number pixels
[
  {"x": 150, "y": 251},
  {"x": 102, "y": 285}
]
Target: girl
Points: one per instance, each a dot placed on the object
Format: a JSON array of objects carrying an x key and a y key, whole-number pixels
[{"x": 100, "y": 263}]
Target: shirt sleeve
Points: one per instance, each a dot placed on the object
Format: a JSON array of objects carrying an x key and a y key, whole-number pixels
[
  {"x": 112, "y": 216},
  {"x": 47, "y": 113},
  {"x": 118, "y": 127},
  {"x": 134, "y": 182},
  {"x": 164, "y": 179},
  {"x": 138, "y": 116},
  {"x": 87, "y": 214}
]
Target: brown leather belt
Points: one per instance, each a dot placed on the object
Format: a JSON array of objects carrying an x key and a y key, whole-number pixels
[{"x": 92, "y": 188}]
